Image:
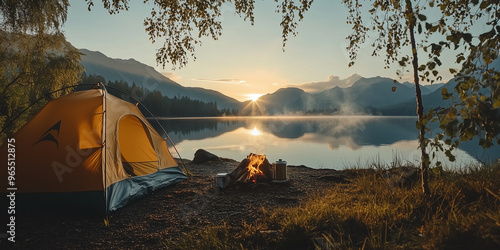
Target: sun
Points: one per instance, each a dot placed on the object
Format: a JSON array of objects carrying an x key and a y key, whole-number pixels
[{"x": 254, "y": 97}]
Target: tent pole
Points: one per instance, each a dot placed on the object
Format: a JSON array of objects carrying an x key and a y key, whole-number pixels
[{"x": 104, "y": 132}]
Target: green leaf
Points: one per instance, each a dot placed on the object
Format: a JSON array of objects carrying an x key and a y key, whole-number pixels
[
  {"x": 436, "y": 48},
  {"x": 439, "y": 63},
  {"x": 432, "y": 65},
  {"x": 451, "y": 157},
  {"x": 431, "y": 113},
  {"x": 451, "y": 115},
  {"x": 487, "y": 35},
  {"x": 484, "y": 4},
  {"x": 418, "y": 125},
  {"x": 440, "y": 136},
  {"x": 422, "y": 17},
  {"x": 467, "y": 37},
  {"x": 428, "y": 26},
  {"x": 496, "y": 104}
]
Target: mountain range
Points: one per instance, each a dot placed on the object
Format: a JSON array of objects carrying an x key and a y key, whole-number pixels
[
  {"x": 132, "y": 71},
  {"x": 374, "y": 95},
  {"x": 354, "y": 95}
]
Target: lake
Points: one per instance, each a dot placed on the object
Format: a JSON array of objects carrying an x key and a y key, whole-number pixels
[{"x": 335, "y": 142}]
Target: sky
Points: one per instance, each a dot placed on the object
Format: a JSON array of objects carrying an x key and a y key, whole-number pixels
[{"x": 246, "y": 59}]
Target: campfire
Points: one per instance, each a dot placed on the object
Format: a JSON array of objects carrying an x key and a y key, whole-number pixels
[
  {"x": 252, "y": 170},
  {"x": 255, "y": 168}
]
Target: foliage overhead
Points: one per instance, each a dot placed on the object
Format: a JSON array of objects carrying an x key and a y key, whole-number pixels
[
  {"x": 473, "y": 32},
  {"x": 35, "y": 59},
  {"x": 28, "y": 16},
  {"x": 183, "y": 23}
]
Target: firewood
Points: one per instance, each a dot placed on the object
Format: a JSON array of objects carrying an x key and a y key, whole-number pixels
[
  {"x": 239, "y": 171},
  {"x": 267, "y": 169}
]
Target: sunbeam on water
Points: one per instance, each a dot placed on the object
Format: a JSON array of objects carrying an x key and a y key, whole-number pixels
[{"x": 255, "y": 132}]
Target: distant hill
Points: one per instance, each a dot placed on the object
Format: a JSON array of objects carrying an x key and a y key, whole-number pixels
[
  {"x": 374, "y": 95},
  {"x": 333, "y": 81},
  {"x": 430, "y": 100},
  {"x": 425, "y": 89},
  {"x": 354, "y": 95},
  {"x": 285, "y": 101},
  {"x": 132, "y": 71}
]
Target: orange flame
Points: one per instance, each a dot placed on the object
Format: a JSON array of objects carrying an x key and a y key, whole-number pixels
[{"x": 253, "y": 167}]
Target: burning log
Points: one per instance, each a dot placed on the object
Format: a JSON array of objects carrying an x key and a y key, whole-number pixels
[
  {"x": 240, "y": 170},
  {"x": 254, "y": 168},
  {"x": 267, "y": 170}
]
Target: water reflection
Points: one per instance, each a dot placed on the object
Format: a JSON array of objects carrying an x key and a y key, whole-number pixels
[
  {"x": 255, "y": 132},
  {"x": 319, "y": 142}
]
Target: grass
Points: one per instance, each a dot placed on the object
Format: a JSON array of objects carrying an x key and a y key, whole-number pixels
[{"x": 462, "y": 212}]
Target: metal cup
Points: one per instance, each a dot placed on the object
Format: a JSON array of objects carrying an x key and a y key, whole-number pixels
[{"x": 280, "y": 170}]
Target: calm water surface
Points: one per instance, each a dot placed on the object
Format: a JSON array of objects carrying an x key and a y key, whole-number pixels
[{"x": 319, "y": 142}]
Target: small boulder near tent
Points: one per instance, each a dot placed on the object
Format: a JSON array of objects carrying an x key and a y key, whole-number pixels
[{"x": 88, "y": 148}]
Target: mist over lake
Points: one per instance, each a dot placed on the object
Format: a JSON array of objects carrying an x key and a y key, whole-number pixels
[{"x": 334, "y": 142}]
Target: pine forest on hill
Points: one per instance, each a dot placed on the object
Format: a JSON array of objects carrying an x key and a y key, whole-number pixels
[{"x": 154, "y": 101}]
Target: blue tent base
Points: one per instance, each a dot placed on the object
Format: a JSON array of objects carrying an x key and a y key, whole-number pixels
[
  {"x": 92, "y": 202},
  {"x": 125, "y": 191}
]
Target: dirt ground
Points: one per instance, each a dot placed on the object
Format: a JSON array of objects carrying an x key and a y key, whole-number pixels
[{"x": 168, "y": 213}]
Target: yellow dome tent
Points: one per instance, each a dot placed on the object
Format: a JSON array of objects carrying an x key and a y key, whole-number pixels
[{"x": 89, "y": 147}]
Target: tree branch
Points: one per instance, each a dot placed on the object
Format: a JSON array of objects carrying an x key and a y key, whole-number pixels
[{"x": 12, "y": 82}]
